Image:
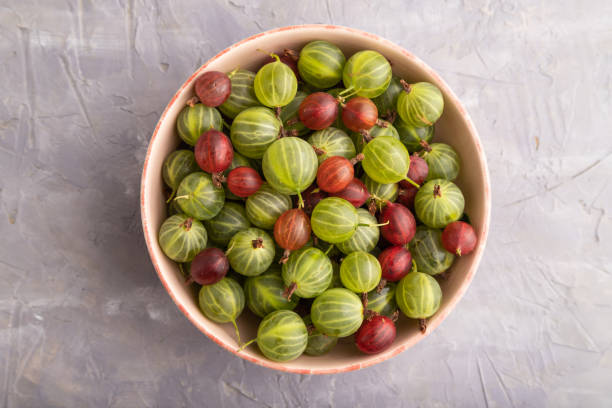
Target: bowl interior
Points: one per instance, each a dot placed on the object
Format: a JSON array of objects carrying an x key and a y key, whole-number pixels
[{"x": 454, "y": 128}]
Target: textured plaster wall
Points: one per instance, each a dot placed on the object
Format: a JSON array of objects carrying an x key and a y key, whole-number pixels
[{"x": 84, "y": 320}]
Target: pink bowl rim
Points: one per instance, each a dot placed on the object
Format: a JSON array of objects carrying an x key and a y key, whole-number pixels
[{"x": 477, "y": 254}]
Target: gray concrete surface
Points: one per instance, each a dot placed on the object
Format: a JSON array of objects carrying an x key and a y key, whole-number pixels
[{"x": 84, "y": 320}]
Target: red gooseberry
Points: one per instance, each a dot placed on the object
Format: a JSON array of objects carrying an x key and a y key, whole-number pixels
[
  {"x": 213, "y": 88},
  {"x": 243, "y": 181},
  {"x": 459, "y": 238}
]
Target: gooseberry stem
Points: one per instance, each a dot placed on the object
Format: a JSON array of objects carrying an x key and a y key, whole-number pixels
[
  {"x": 395, "y": 316},
  {"x": 414, "y": 183},
  {"x": 181, "y": 197},
  {"x": 171, "y": 196},
  {"x": 425, "y": 145},
  {"x": 318, "y": 151},
  {"x": 285, "y": 256},
  {"x": 414, "y": 266},
  {"x": 231, "y": 74},
  {"x": 436, "y": 191},
  {"x": 237, "y": 331},
  {"x": 192, "y": 101},
  {"x": 329, "y": 249},
  {"x": 289, "y": 290},
  {"x": 247, "y": 344},
  {"x": 347, "y": 93},
  {"x": 381, "y": 285},
  {"x": 373, "y": 225},
  {"x": 364, "y": 299},
  {"x": 294, "y": 55},
  {"x": 300, "y": 200},
  {"x": 406, "y": 86},
  {"x": 257, "y": 243},
  {"x": 357, "y": 159},
  {"x": 423, "y": 325}
]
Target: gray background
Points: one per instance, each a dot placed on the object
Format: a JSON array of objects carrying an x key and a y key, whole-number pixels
[{"x": 84, "y": 320}]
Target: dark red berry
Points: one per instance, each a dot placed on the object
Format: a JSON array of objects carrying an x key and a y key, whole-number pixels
[
  {"x": 311, "y": 196},
  {"x": 243, "y": 181},
  {"x": 355, "y": 192},
  {"x": 417, "y": 171},
  {"x": 359, "y": 113},
  {"x": 318, "y": 110},
  {"x": 459, "y": 238},
  {"x": 335, "y": 174},
  {"x": 208, "y": 267},
  {"x": 402, "y": 225},
  {"x": 406, "y": 195},
  {"x": 213, "y": 88},
  {"x": 376, "y": 334},
  {"x": 214, "y": 153},
  {"x": 292, "y": 230},
  {"x": 395, "y": 262}
]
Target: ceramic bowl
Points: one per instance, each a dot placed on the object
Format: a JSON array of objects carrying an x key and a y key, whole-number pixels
[{"x": 454, "y": 127}]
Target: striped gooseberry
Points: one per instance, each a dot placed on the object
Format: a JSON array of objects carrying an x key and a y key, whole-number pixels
[
  {"x": 230, "y": 220},
  {"x": 181, "y": 237},
  {"x": 366, "y": 235},
  {"x": 412, "y": 136},
  {"x": 242, "y": 95},
  {"x": 282, "y": 336},
  {"x": 264, "y": 294},
  {"x": 428, "y": 253},
  {"x": 250, "y": 252},
  {"x": 386, "y": 160},
  {"x": 438, "y": 203},
  {"x": 332, "y": 142},
  {"x": 382, "y": 299},
  {"x": 265, "y": 206},
  {"x": 418, "y": 296},
  {"x": 320, "y": 64},
  {"x": 275, "y": 84},
  {"x": 367, "y": 73},
  {"x": 195, "y": 119},
  {"x": 178, "y": 165},
  {"x": 199, "y": 197},
  {"x": 360, "y": 272},
  {"x": 307, "y": 272},
  {"x": 442, "y": 161},
  {"x": 318, "y": 343},
  {"x": 337, "y": 312},
  {"x": 290, "y": 165},
  {"x": 222, "y": 302},
  {"x": 420, "y": 104},
  {"x": 254, "y": 130}
]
